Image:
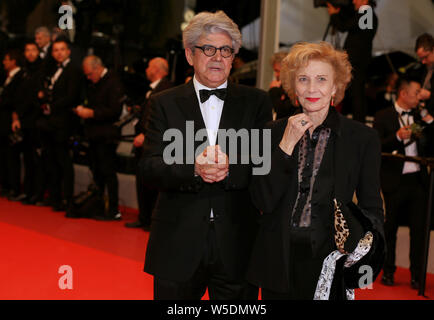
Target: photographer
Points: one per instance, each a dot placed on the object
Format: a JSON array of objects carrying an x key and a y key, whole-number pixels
[
  {"x": 57, "y": 123},
  {"x": 104, "y": 95},
  {"x": 24, "y": 119},
  {"x": 358, "y": 45},
  {"x": 425, "y": 51},
  {"x": 9, "y": 171},
  {"x": 156, "y": 73},
  {"x": 404, "y": 184}
]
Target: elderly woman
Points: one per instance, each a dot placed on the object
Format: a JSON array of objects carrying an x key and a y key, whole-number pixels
[{"x": 317, "y": 156}]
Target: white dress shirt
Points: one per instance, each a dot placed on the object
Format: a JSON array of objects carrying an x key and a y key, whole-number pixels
[
  {"x": 411, "y": 149},
  {"x": 211, "y": 113},
  {"x": 11, "y": 75},
  {"x": 58, "y": 72},
  {"x": 153, "y": 85},
  {"x": 211, "y": 110}
]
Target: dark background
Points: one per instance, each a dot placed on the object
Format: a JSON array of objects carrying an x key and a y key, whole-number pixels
[{"x": 125, "y": 33}]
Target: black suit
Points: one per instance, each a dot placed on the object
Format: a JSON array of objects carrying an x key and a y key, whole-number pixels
[
  {"x": 9, "y": 171},
  {"x": 404, "y": 194},
  {"x": 105, "y": 98},
  {"x": 283, "y": 107},
  {"x": 358, "y": 45},
  {"x": 56, "y": 129},
  {"x": 183, "y": 242},
  {"x": 429, "y": 104},
  {"x": 28, "y": 110},
  {"x": 353, "y": 157},
  {"x": 146, "y": 195}
]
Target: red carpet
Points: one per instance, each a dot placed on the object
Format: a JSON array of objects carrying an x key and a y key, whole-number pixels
[{"x": 106, "y": 259}]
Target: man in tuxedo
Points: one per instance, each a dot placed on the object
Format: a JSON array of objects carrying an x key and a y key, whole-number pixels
[
  {"x": 9, "y": 171},
  {"x": 204, "y": 223},
  {"x": 156, "y": 73},
  {"x": 24, "y": 118},
  {"x": 425, "y": 51},
  {"x": 403, "y": 184},
  {"x": 104, "y": 96},
  {"x": 61, "y": 94},
  {"x": 358, "y": 45},
  {"x": 43, "y": 40}
]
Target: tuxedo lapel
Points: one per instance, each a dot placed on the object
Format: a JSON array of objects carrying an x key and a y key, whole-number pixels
[
  {"x": 232, "y": 112},
  {"x": 189, "y": 106},
  {"x": 394, "y": 123}
]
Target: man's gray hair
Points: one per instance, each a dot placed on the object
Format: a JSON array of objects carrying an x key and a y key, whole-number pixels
[
  {"x": 93, "y": 61},
  {"x": 206, "y": 23},
  {"x": 43, "y": 30}
]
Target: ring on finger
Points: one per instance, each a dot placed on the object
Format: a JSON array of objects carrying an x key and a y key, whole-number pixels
[{"x": 303, "y": 122}]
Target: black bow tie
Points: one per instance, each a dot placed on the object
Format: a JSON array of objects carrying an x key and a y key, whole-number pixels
[
  {"x": 205, "y": 94},
  {"x": 408, "y": 113}
]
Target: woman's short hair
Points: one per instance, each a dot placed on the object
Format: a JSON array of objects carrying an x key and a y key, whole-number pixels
[
  {"x": 206, "y": 23},
  {"x": 302, "y": 53}
]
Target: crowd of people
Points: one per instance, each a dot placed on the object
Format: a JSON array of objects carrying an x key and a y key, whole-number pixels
[
  {"x": 50, "y": 96},
  {"x": 294, "y": 231}
]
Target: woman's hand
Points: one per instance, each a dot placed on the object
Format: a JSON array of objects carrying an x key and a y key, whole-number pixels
[{"x": 295, "y": 129}]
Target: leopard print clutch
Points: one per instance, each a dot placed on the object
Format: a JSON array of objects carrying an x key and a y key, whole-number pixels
[{"x": 342, "y": 231}]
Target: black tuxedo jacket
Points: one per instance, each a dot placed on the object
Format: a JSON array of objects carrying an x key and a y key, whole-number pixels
[
  {"x": 387, "y": 124},
  {"x": 66, "y": 95},
  {"x": 358, "y": 42},
  {"x": 355, "y": 156},
  {"x": 164, "y": 84},
  {"x": 28, "y": 107},
  {"x": 8, "y": 102},
  {"x": 180, "y": 220},
  {"x": 105, "y": 98},
  {"x": 429, "y": 104}
]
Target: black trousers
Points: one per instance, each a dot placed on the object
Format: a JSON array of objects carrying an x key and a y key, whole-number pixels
[
  {"x": 103, "y": 166},
  {"x": 304, "y": 269},
  {"x": 28, "y": 149},
  {"x": 60, "y": 168},
  {"x": 210, "y": 274},
  {"x": 408, "y": 202},
  {"x": 5, "y": 163},
  {"x": 146, "y": 196},
  {"x": 355, "y": 101}
]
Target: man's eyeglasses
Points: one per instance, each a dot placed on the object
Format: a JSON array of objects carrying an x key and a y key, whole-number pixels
[{"x": 210, "y": 51}]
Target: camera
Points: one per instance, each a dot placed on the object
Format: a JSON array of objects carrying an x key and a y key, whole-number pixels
[
  {"x": 334, "y": 3},
  {"x": 15, "y": 137}
]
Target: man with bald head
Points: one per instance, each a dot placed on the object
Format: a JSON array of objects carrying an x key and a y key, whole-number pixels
[
  {"x": 156, "y": 73},
  {"x": 104, "y": 94}
]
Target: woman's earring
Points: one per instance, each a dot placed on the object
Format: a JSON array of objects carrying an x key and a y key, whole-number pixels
[
  {"x": 296, "y": 102},
  {"x": 332, "y": 103}
]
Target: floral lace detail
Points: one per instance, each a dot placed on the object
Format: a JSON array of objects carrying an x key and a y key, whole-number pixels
[{"x": 325, "y": 280}]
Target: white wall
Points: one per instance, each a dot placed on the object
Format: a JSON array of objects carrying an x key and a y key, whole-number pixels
[{"x": 400, "y": 22}]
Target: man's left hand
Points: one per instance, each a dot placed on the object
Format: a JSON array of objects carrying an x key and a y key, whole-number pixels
[{"x": 84, "y": 113}]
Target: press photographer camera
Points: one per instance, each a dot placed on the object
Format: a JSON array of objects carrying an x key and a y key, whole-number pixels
[
  {"x": 46, "y": 96},
  {"x": 16, "y": 137},
  {"x": 134, "y": 112}
]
